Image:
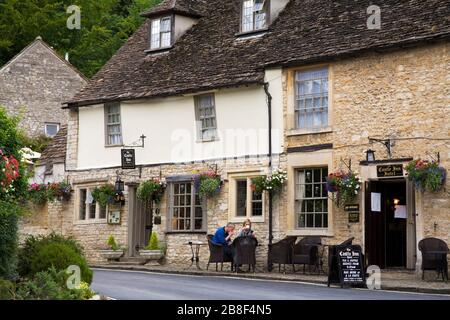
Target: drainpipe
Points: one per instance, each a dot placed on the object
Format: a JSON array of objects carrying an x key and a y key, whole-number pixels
[{"x": 269, "y": 110}]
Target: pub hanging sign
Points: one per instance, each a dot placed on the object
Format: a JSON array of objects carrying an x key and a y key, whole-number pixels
[
  {"x": 392, "y": 170},
  {"x": 128, "y": 159}
]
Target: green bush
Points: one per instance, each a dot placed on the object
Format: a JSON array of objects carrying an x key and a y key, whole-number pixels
[
  {"x": 60, "y": 256},
  {"x": 33, "y": 245},
  {"x": 153, "y": 243},
  {"x": 8, "y": 239},
  {"x": 51, "y": 285},
  {"x": 7, "y": 290},
  {"x": 112, "y": 243}
]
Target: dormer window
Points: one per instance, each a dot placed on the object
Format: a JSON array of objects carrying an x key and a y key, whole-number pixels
[
  {"x": 254, "y": 15},
  {"x": 161, "y": 33}
]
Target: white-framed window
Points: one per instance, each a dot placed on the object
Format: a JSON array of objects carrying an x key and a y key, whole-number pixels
[
  {"x": 311, "y": 198},
  {"x": 185, "y": 208},
  {"x": 244, "y": 201},
  {"x": 161, "y": 33},
  {"x": 51, "y": 129},
  {"x": 254, "y": 15},
  {"x": 311, "y": 99},
  {"x": 88, "y": 209},
  {"x": 113, "y": 124},
  {"x": 205, "y": 111}
]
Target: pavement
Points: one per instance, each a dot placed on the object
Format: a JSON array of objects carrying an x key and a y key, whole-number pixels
[{"x": 144, "y": 285}]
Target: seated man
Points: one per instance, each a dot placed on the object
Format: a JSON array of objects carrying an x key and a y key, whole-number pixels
[{"x": 223, "y": 237}]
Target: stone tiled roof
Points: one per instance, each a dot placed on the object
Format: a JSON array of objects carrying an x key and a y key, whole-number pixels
[
  {"x": 193, "y": 8},
  {"x": 56, "y": 150},
  {"x": 211, "y": 55}
]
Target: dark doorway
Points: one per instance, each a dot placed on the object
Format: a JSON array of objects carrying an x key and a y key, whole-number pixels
[
  {"x": 385, "y": 231},
  {"x": 140, "y": 223}
]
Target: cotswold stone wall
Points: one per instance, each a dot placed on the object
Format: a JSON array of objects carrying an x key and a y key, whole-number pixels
[
  {"x": 93, "y": 235},
  {"x": 403, "y": 94},
  {"x": 34, "y": 86}
]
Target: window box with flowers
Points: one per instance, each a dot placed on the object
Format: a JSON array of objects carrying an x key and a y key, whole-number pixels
[
  {"x": 427, "y": 176},
  {"x": 346, "y": 186}
]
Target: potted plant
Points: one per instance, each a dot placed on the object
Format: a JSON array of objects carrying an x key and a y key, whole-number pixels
[
  {"x": 113, "y": 252},
  {"x": 272, "y": 183},
  {"x": 104, "y": 195},
  {"x": 64, "y": 191},
  {"x": 151, "y": 190},
  {"x": 427, "y": 176},
  {"x": 346, "y": 185},
  {"x": 208, "y": 184},
  {"x": 154, "y": 251}
]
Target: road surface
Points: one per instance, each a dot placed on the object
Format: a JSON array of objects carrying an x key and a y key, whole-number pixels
[{"x": 130, "y": 285}]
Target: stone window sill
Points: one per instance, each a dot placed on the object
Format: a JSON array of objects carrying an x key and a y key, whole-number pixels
[
  {"x": 91, "y": 221},
  {"x": 310, "y": 232},
  {"x": 185, "y": 232},
  {"x": 242, "y": 219},
  {"x": 301, "y": 132}
]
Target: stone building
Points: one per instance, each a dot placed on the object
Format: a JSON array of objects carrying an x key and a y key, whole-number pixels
[
  {"x": 34, "y": 84},
  {"x": 243, "y": 87}
]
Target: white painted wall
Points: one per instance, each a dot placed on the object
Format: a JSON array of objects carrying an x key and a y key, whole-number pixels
[
  {"x": 40, "y": 177},
  {"x": 170, "y": 127},
  {"x": 182, "y": 24}
]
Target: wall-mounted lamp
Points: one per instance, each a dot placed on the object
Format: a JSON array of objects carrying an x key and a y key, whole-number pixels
[
  {"x": 370, "y": 155},
  {"x": 119, "y": 186},
  {"x": 396, "y": 201}
]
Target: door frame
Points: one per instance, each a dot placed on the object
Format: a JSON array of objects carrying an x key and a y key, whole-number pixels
[{"x": 411, "y": 226}]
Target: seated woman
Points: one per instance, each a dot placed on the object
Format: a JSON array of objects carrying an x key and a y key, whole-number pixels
[{"x": 246, "y": 230}]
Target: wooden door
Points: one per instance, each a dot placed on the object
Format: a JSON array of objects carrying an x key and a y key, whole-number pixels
[
  {"x": 375, "y": 233},
  {"x": 411, "y": 254}
]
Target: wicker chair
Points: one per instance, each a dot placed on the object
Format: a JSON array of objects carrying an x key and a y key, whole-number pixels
[
  {"x": 281, "y": 252},
  {"x": 245, "y": 252},
  {"x": 305, "y": 252},
  {"x": 216, "y": 254},
  {"x": 434, "y": 256}
]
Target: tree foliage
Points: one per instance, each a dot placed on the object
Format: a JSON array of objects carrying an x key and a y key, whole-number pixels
[{"x": 105, "y": 26}]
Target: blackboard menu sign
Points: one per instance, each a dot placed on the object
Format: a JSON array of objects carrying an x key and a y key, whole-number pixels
[
  {"x": 128, "y": 159},
  {"x": 393, "y": 170},
  {"x": 350, "y": 263}
]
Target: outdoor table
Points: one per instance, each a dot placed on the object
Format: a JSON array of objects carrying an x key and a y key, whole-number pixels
[
  {"x": 442, "y": 266},
  {"x": 195, "y": 253}
]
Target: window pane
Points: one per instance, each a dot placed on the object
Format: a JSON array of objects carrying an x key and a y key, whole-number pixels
[
  {"x": 82, "y": 205},
  {"x": 186, "y": 216},
  {"x": 102, "y": 214},
  {"x": 241, "y": 198},
  {"x": 311, "y": 198},
  {"x": 312, "y": 95},
  {"x": 92, "y": 210}
]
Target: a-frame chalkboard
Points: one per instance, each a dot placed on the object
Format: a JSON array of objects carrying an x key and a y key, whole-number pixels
[{"x": 346, "y": 266}]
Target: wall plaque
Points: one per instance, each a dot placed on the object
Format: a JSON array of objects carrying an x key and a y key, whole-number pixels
[
  {"x": 114, "y": 217},
  {"x": 392, "y": 170},
  {"x": 128, "y": 159},
  {"x": 353, "y": 212}
]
